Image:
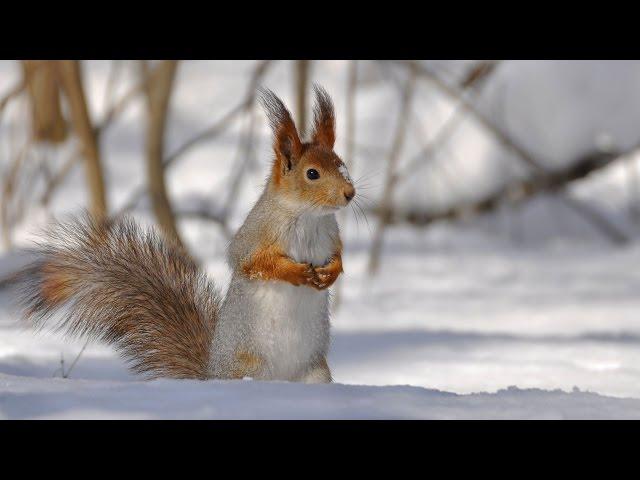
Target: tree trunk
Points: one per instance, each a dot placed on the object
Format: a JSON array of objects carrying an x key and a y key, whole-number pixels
[
  {"x": 158, "y": 96},
  {"x": 302, "y": 87},
  {"x": 47, "y": 122},
  {"x": 71, "y": 80}
]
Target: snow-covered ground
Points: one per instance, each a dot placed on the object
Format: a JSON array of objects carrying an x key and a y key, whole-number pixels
[
  {"x": 456, "y": 319},
  {"x": 163, "y": 399},
  {"x": 524, "y": 316}
]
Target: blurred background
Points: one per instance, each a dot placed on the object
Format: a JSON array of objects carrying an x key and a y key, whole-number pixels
[{"x": 494, "y": 240}]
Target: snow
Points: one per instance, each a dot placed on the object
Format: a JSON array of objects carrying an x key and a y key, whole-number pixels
[
  {"x": 528, "y": 313},
  {"x": 462, "y": 320},
  {"x": 165, "y": 399}
]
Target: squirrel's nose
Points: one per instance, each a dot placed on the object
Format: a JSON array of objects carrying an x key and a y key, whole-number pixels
[{"x": 349, "y": 193}]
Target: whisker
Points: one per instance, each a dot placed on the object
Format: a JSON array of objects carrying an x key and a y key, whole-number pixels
[
  {"x": 355, "y": 214},
  {"x": 368, "y": 174},
  {"x": 364, "y": 215},
  {"x": 366, "y": 184},
  {"x": 362, "y": 195}
]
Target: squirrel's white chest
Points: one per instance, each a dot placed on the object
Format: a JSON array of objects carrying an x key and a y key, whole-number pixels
[
  {"x": 292, "y": 323},
  {"x": 286, "y": 325},
  {"x": 292, "y": 327},
  {"x": 311, "y": 240}
]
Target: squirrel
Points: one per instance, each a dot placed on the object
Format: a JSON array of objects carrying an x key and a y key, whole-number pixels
[{"x": 117, "y": 282}]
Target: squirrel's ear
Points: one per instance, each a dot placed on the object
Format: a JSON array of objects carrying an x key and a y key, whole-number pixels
[
  {"x": 324, "y": 119},
  {"x": 286, "y": 142}
]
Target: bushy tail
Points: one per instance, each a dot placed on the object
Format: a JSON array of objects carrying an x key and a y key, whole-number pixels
[{"x": 124, "y": 285}]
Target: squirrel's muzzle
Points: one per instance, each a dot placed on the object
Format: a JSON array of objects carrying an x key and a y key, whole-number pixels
[{"x": 349, "y": 192}]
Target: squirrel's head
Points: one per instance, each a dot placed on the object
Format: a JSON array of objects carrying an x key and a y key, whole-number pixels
[{"x": 309, "y": 174}]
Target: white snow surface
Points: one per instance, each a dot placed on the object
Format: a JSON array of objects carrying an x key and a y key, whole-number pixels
[
  {"x": 526, "y": 314},
  {"x": 164, "y": 399},
  {"x": 421, "y": 341}
]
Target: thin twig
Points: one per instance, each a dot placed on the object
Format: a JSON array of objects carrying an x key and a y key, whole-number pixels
[
  {"x": 224, "y": 123},
  {"x": 114, "y": 73},
  {"x": 14, "y": 92},
  {"x": 73, "y": 364},
  {"x": 56, "y": 180},
  {"x": 119, "y": 106},
  {"x": 206, "y": 214},
  {"x": 8, "y": 191},
  {"x": 61, "y": 367},
  {"x": 208, "y": 134},
  {"x": 454, "y": 121}
]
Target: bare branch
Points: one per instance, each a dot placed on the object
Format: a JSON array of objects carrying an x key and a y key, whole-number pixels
[
  {"x": 119, "y": 106},
  {"x": 485, "y": 121},
  {"x": 207, "y": 214},
  {"x": 394, "y": 155},
  {"x": 208, "y": 134},
  {"x": 479, "y": 74},
  {"x": 8, "y": 192},
  {"x": 521, "y": 190},
  {"x": 71, "y": 79},
  {"x": 158, "y": 97},
  {"x": 56, "y": 180},
  {"x": 225, "y": 122},
  {"x": 535, "y": 164},
  {"x": 13, "y": 92},
  {"x": 213, "y": 131}
]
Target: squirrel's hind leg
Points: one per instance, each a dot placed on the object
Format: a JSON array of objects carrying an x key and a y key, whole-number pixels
[
  {"x": 247, "y": 364},
  {"x": 318, "y": 373}
]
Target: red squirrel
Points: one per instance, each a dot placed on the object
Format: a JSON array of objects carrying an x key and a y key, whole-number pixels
[{"x": 113, "y": 281}]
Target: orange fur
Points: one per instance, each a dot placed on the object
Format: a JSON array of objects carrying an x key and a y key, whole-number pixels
[
  {"x": 293, "y": 158},
  {"x": 271, "y": 263},
  {"x": 330, "y": 190},
  {"x": 286, "y": 141},
  {"x": 56, "y": 287},
  {"x": 287, "y": 147},
  {"x": 330, "y": 272}
]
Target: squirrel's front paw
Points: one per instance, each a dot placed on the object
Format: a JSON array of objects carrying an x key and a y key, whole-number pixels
[
  {"x": 310, "y": 278},
  {"x": 302, "y": 274},
  {"x": 326, "y": 276}
]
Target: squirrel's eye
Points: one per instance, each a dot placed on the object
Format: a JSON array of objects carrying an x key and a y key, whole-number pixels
[{"x": 312, "y": 174}]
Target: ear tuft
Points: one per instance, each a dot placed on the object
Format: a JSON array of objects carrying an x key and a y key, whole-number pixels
[
  {"x": 324, "y": 118},
  {"x": 277, "y": 113},
  {"x": 286, "y": 142}
]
